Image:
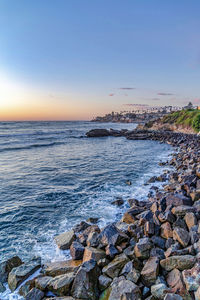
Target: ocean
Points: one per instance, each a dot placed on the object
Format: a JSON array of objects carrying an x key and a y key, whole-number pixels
[{"x": 52, "y": 177}]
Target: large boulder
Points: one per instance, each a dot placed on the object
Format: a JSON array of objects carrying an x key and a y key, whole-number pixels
[
  {"x": 124, "y": 289},
  {"x": 93, "y": 253},
  {"x": 111, "y": 235},
  {"x": 21, "y": 273},
  {"x": 181, "y": 235},
  {"x": 159, "y": 291},
  {"x": 99, "y": 132},
  {"x": 61, "y": 267},
  {"x": 142, "y": 248},
  {"x": 182, "y": 210},
  {"x": 64, "y": 240},
  {"x": 76, "y": 251},
  {"x": 60, "y": 285},
  {"x": 150, "y": 271},
  {"x": 42, "y": 282},
  {"x": 114, "y": 267},
  {"x": 166, "y": 230},
  {"x": 192, "y": 278},
  {"x": 7, "y": 265},
  {"x": 181, "y": 262},
  {"x": 177, "y": 200},
  {"x": 175, "y": 282},
  {"x": 85, "y": 285},
  {"x": 34, "y": 294}
]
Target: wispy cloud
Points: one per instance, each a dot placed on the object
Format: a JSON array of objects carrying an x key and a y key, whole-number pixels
[
  {"x": 165, "y": 94},
  {"x": 155, "y": 99},
  {"x": 135, "y": 104},
  {"x": 127, "y": 88}
]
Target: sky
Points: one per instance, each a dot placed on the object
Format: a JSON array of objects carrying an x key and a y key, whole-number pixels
[{"x": 75, "y": 59}]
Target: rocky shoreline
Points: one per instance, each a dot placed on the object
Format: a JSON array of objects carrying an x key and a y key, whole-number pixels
[{"x": 151, "y": 253}]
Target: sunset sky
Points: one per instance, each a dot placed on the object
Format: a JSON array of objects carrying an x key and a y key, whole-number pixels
[{"x": 75, "y": 59}]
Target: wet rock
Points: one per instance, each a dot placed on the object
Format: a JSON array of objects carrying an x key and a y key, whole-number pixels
[
  {"x": 83, "y": 237},
  {"x": 104, "y": 282},
  {"x": 85, "y": 285},
  {"x": 93, "y": 253},
  {"x": 159, "y": 290},
  {"x": 129, "y": 216},
  {"x": 166, "y": 230},
  {"x": 170, "y": 296},
  {"x": 7, "y": 265},
  {"x": 175, "y": 282},
  {"x": 61, "y": 267},
  {"x": 81, "y": 227},
  {"x": 142, "y": 248},
  {"x": 60, "y": 285},
  {"x": 34, "y": 294},
  {"x": 110, "y": 235},
  {"x": 180, "y": 262},
  {"x": 99, "y": 132},
  {"x": 190, "y": 220},
  {"x": 181, "y": 235},
  {"x": 64, "y": 240},
  {"x": 124, "y": 289},
  {"x": 76, "y": 251},
  {"x": 191, "y": 278},
  {"x": 111, "y": 251},
  {"x": 21, "y": 273},
  {"x": 26, "y": 287},
  {"x": 182, "y": 210},
  {"x": 118, "y": 202},
  {"x": 93, "y": 220},
  {"x": 2, "y": 288},
  {"x": 150, "y": 271},
  {"x": 42, "y": 282},
  {"x": 114, "y": 267},
  {"x": 93, "y": 239},
  {"x": 178, "y": 200}
]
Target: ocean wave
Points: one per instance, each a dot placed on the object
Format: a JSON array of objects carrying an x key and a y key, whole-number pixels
[{"x": 31, "y": 146}]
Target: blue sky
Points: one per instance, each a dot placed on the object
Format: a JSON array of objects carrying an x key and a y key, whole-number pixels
[{"x": 77, "y": 59}]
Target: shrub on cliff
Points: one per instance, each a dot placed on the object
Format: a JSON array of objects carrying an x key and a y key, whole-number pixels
[{"x": 196, "y": 123}]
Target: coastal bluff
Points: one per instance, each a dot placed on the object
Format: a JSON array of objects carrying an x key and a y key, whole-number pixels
[{"x": 152, "y": 253}]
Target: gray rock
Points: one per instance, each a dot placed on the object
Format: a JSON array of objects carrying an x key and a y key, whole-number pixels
[
  {"x": 180, "y": 262},
  {"x": 99, "y": 132},
  {"x": 177, "y": 200},
  {"x": 21, "y": 273},
  {"x": 150, "y": 271},
  {"x": 191, "y": 278},
  {"x": 61, "y": 267},
  {"x": 60, "y": 285},
  {"x": 110, "y": 235},
  {"x": 93, "y": 253},
  {"x": 76, "y": 251},
  {"x": 2, "y": 288},
  {"x": 115, "y": 266},
  {"x": 124, "y": 289},
  {"x": 142, "y": 248},
  {"x": 170, "y": 296},
  {"x": 34, "y": 294},
  {"x": 93, "y": 239},
  {"x": 64, "y": 240},
  {"x": 182, "y": 210},
  {"x": 85, "y": 285},
  {"x": 7, "y": 265},
  {"x": 104, "y": 282},
  {"x": 181, "y": 235},
  {"x": 159, "y": 290},
  {"x": 41, "y": 283}
]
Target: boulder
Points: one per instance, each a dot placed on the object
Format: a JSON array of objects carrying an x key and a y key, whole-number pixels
[
  {"x": 177, "y": 200},
  {"x": 111, "y": 251},
  {"x": 166, "y": 230},
  {"x": 111, "y": 235},
  {"x": 61, "y": 267},
  {"x": 150, "y": 271},
  {"x": 133, "y": 275},
  {"x": 93, "y": 239},
  {"x": 180, "y": 262},
  {"x": 98, "y": 132},
  {"x": 118, "y": 202},
  {"x": 191, "y": 278},
  {"x": 42, "y": 282},
  {"x": 114, "y": 267},
  {"x": 104, "y": 282},
  {"x": 182, "y": 210},
  {"x": 34, "y": 294},
  {"x": 159, "y": 291},
  {"x": 124, "y": 289},
  {"x": 181, "y": 235},
  {"x": 190, "y": 220},
  {"x": 142, "y": 248},
  {"x": 85, "y": 285},
  {"x": 21, "y": 273},
  {"x": 76, "y": 251},
  {"x": 93, "y": 253},
  {"x": 60, "y": 285},
  {"x": 170, "y": 296},
  {"x": 81, "y": 227},
  {"x": 64, "y": 240},
  {"x": 7, "y": 265},
  {"x": 175, "y": 282}
]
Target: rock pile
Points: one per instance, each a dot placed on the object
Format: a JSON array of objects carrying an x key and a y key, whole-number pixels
[{"x": 152, "y": 253}]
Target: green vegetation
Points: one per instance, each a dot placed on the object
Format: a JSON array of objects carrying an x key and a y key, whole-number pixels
[{"x": 186, "y": 117}]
